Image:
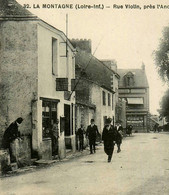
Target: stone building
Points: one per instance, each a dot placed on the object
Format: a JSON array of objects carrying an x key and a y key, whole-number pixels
[
  {"x": 95, "y": 93},
  {"x": 37, "y": 67},
  {"x": 134, "y": 88}
]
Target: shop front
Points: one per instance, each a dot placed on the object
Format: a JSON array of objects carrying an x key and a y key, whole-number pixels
[
  {"x": 50, "y": 130},
  {"x": 138, "y": 121}
]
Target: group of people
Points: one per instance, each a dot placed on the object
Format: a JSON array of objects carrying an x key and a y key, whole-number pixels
[
  {"x": 111, "y": 135},
  {"x": 91, "y": 134}
]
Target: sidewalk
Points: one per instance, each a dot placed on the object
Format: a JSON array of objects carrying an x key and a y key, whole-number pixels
[{"x": 40, "y": 164}]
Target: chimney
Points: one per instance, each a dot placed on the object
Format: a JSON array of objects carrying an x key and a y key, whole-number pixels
[
  {"x": 113, "y": 65},
  {"x": 83, "y": 44}
]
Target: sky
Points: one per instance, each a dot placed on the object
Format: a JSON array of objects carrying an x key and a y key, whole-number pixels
[{"x": 127, "y": 35}]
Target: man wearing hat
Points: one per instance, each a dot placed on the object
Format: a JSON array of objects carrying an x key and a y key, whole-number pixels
[
  {"x": 109, "y": 137},
  {"x": 119, "y": 130},
  {"x": 92, "y": 132},
  {"x": 10, "y": 134}
]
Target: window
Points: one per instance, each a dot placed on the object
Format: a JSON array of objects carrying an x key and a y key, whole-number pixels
[
  {"x": 129, "y": 79},
  {"x": 104, "y": 98},
  {"x": 49, "y": 116},
  {"x": 109, "y": 103},
  {"x": 54, "y": 56}
]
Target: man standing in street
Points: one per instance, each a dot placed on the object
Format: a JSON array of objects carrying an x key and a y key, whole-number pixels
[
  {"x": 109, "y": 137},
  {"x": 119, "y": 130},
  {"x": 80, "y": 134},
  {"x": 92, "y": 132}
]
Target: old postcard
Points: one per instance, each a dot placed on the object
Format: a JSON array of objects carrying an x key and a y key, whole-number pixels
[{"x": 84, "y": 97}]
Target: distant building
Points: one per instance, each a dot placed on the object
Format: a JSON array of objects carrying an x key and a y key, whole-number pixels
[
  {"x": 95, "y": 90},
  {"x": 120, "y": 104},
  {"x": 134, "y": 88},
  {"x": 155, "y": 119},
  {"x": 37, "y": 68}
]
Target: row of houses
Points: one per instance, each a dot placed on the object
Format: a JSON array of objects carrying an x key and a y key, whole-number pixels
[{"x": 47, "y": 79}]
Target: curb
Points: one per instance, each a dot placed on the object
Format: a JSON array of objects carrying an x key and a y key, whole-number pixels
[{"x": 43, "y": 164}]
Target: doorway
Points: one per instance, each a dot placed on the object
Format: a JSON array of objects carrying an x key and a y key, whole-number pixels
[
  {"x": 50, "y": 123},
  {"x": 67, "y": 114}
]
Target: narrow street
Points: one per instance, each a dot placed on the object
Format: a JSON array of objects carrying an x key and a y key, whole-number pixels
[{"x": 142, "y": 168}]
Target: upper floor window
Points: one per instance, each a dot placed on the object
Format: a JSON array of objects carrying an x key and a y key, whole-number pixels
[
  {"x": 109, "y": 103},
  {"x": 104, "y": 98},
  {"x": 129, "y": 79},
  {"x": 54, "y": 56},
  {"x": 112, "y": 102}
]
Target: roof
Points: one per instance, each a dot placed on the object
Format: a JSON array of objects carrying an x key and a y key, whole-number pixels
[
  {"x": 154, "y": 120},
  {"x": 12, "y": 9},
  {"x": 93, "y": 69},
  {"x": 112, "y": 64},
  {"x": 140, "y": 78}
]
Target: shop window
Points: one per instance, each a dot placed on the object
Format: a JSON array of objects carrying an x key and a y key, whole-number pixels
[
  {"x": 49, "y": 117},
  {"x": 135, "y": 121}
]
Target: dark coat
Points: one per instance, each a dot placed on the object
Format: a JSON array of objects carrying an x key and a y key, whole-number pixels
[
  {"x": 119, "y": 135},
  {"x": 109, "y": 137},
  {"x": 129, "y": 129},
  {"x": 92, "y": 132},
  {"x": 80, "y": 133},
  {"x": 11, "y": 133}
]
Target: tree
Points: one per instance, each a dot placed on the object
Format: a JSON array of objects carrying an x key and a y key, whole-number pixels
[
  {"x": 162, "y": 56},
  {"x": 164, "y": 106}
]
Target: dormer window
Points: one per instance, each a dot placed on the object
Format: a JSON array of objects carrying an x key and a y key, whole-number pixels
[{"x": 129, "y": 79}]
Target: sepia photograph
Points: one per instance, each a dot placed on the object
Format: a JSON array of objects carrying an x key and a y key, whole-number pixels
[{"x": 84, "y": 97}]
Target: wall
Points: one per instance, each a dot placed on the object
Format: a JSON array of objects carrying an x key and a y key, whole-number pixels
[
  {"x": 90, "y": 93},
  {"x": 21, "y": 150},
  {"x": 143, "y": 95},
  {"x": 18, "y": 72},
  {"x": 47, "y": 81},
  {"x": 101, "y": 110},
  {"x": 83, "y": 116}
]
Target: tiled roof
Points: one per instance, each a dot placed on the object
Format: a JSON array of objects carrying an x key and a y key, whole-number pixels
[
  {"x": 140, "y": 78},
  {"x": 112, "y": 65},
  {"x": 96, "y": 71},
  {"x": 11, "y": 8}
]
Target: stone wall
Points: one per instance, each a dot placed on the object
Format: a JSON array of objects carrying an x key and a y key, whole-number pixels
[
  {"x": 46, "y": 149},
  {"x": 18, "y": 72},
  {"x": 21, "y": 150},
  {"x": 4, "y": 161}
]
